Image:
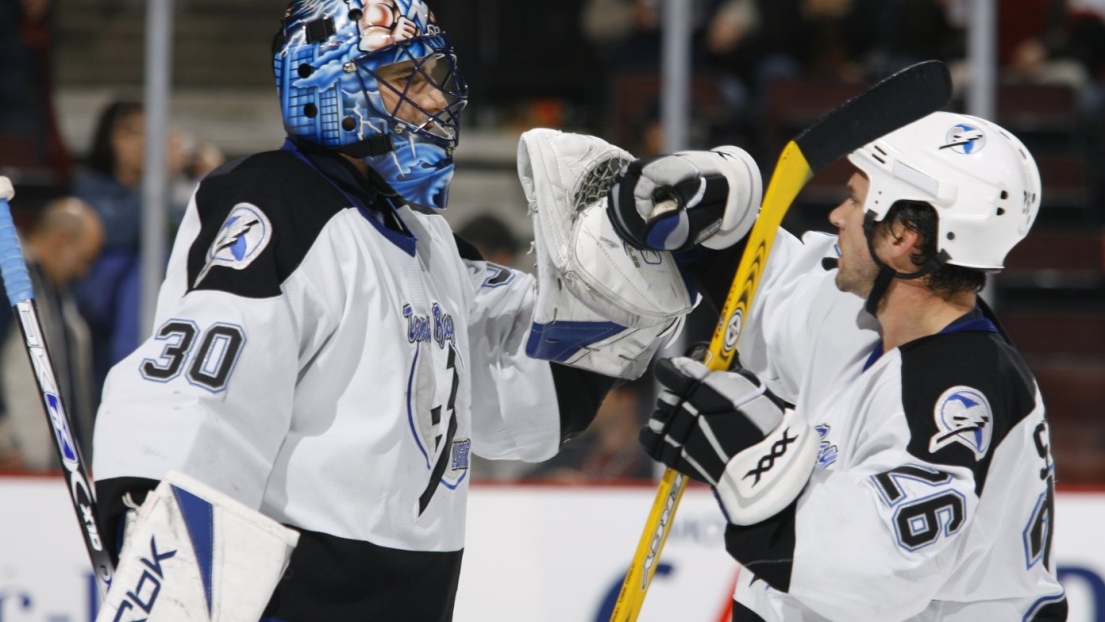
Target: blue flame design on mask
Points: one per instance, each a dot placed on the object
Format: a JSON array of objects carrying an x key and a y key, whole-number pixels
[{"x": 327, "y": 59}]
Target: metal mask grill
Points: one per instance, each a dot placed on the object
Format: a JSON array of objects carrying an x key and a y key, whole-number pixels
[{"x": 408, "y": 84}]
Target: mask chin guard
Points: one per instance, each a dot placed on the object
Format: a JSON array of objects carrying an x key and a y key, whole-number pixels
[{"x": 371, "y": 146}]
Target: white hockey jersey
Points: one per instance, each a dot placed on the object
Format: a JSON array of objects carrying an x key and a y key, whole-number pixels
[
  {"x": 933, "y": 494},
  {"x": 335, "y": 374}
]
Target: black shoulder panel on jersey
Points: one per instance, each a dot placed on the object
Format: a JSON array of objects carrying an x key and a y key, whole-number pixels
[
  {"x": 962, "y": 393},
  {"x": 766, "y": 549},
  {"x": 467, "y": 250},
  {"x": 332, "y": 578},
  {"x": 259, "y": 216},
  {"x": 744, "y": 614}
]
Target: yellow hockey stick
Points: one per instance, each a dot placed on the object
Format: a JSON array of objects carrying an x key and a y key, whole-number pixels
[{"x": 894, "y": 102}]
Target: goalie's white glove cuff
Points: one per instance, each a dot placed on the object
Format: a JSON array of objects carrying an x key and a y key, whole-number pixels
[
  {"x": 745, "y": 196},
  {"x": 765, "y": 478},
  {"x": 687, "y": 199},
  {"x": 601, "y": 304}
]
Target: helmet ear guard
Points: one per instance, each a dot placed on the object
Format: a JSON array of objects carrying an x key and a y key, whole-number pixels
[
  {"x": 327, "y": 59},
  {"x": 981, "y": 180}
]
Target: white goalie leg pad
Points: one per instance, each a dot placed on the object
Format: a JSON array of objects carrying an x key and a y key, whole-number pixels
[
  {"x": 194, "y": 554},
  {"x": 762, "y": 480},
  {"x": 601, "y": 304}
]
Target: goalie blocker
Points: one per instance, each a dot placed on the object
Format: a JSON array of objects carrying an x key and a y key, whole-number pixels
[{"x": 604, "y": 302}]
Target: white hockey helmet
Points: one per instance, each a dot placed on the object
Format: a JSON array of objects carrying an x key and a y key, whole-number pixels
[{"x": 981, "y": 180}]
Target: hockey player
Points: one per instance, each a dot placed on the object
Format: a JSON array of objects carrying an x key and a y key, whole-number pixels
[
  {"x": 327, "y": 355},
  {"x": 912, "y": 480}
]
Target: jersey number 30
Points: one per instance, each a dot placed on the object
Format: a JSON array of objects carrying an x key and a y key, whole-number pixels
[{"x": 214, "y": 359}]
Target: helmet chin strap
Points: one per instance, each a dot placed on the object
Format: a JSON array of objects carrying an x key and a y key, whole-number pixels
[
  {"x": 886, "y": 273},
  {"x": 371, "y": 146}
]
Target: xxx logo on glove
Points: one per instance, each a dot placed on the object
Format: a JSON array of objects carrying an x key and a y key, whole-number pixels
[{"x": 765, "y": 464}]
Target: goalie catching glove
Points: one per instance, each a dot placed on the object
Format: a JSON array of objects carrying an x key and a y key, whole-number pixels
[
  {"x": 690, "y": 198},
  {"x": 601, "y": 305},
  {"x": 728, "y": 430}
]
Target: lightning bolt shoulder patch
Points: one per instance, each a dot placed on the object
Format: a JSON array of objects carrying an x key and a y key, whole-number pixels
[
  {"x": 963, "y": 415},
  {"x": 241, "y": 238}
]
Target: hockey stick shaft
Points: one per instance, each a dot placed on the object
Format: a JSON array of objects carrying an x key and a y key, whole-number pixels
[
  {"x": 897, "y": 101},
  {"x": 17, "y": 283}
]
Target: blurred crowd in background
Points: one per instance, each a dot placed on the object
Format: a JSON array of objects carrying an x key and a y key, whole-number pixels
[{"x": 762, "y": 70}]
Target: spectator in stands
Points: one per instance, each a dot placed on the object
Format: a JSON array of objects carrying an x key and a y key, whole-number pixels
[
  {"x": 1087, "y": 44},
  {"x": 59, "y": 249},
  {"x": 853, "y": 40},
  {"x": 628, "y": 35},
  {"x": 29, "y": 138},
  {"x": 493, "y": 238},
  {"x": 1034, "y": 45},
  {"x": 110, "y": 298},
  {"x": 1086, "y": 20}
]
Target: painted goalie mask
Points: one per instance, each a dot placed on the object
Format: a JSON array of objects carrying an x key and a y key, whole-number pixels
[{"x": 377, "y": 80}]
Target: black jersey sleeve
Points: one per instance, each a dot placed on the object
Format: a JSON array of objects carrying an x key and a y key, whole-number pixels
[{"x": 579, "y": 393}]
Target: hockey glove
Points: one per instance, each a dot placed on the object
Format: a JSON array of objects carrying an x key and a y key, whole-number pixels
[
  {"x": 602, "y": 304},
  {"x": 728, "y": 430},
  {"x": 680, "y": 201}
]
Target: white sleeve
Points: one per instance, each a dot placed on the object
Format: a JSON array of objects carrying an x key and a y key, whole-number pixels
[
  {"x": 210, "y": 393},
  {"x": 794, "y": 298},
  {"x": 514, "y": 407}
]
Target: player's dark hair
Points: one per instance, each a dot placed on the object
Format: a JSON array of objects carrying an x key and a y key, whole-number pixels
[
  {"x": 101, "y": 158},
  {"x": 921, "y": 218}
]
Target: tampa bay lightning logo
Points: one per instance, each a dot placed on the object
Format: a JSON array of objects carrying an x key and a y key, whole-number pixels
[
  {"x": 826, "y": 451},
  {"x": 964, "y": 138},
  {"x": 733, "y": 329},
  {"x": 244, "y": 234},
  {"x": 963, "y": 416}
]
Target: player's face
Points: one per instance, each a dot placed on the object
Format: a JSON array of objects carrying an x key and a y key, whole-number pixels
[
  {"x": 857, "y": 270},
  {"x": 423, "y": 98},
  {"x": 128, "y": 142}
]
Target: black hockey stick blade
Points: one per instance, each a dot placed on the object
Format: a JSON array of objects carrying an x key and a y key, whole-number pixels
[{"x": 896, "y": 101}]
